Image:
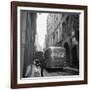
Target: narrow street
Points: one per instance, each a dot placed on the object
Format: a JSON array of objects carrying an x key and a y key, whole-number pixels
[
  {"x": 54, "y": 72},
  {"x": 61, "y": 72}
]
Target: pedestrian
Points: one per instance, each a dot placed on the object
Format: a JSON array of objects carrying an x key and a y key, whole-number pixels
[
  {"x": 39, "y": 61},
  {"x": 41, "y": 65},
  {"x": 29, "y": 71},
  {"x": 41, "y": 70},
  {"x": 37, "y": 71}
]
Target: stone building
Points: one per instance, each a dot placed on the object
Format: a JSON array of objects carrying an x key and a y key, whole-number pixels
[
  {"x": 63, "y": 30},
  {"x": 54, "y": 30},
  {"x": 70, "y": 35},
  {"x": 28, "y": 31}
]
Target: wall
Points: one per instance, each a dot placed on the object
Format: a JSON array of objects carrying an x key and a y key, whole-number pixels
[
  {"x": 28, "y": 45},
  {"x": 5, "y": 45}
]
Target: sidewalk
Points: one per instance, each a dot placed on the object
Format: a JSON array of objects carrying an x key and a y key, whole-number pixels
[{"x": 71, "y": 69}]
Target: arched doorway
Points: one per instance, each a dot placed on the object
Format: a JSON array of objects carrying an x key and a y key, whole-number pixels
[
  {"x": 75, "y": 61},
  {"x": 67, "y": 49}
]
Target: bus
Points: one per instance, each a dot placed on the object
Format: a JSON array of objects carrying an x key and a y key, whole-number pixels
[{"x": 54, "y": 57}]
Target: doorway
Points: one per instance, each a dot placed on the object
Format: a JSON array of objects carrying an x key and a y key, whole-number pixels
[
  {"x": 75, "y": 61},
  {"x": 67, "y": 50}
]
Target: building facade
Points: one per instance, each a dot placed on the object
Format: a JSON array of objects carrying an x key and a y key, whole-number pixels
[
  {"x": 63, "y": 30},
  {"x": 70, "y": 35},
  {"x": 54, "y": 30},
  {"x": 28, "y": 31}
]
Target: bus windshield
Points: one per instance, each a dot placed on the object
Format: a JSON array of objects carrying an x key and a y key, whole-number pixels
[{"x": 58, "y": 52}]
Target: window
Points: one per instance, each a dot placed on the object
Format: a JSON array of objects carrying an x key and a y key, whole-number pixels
[{"x": 56, "y": 36}]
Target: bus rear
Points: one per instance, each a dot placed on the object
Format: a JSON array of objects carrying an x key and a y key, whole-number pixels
[{"x": 55, "y": 57}]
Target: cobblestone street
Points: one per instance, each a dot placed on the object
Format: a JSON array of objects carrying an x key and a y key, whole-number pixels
[
  {"x": 36, "y": 72},
  {"x": 60, "y": 72}
]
